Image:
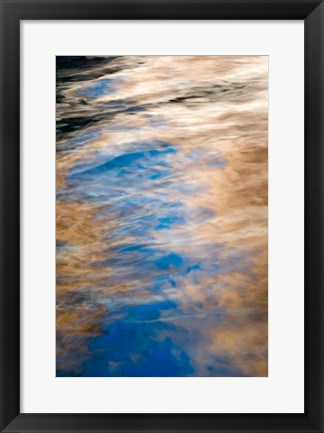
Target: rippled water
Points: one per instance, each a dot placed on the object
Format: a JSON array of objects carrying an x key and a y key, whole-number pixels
[{"x": 161, "y": 213}]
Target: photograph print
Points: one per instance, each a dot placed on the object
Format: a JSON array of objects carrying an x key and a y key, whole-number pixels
[{"x": 161, "y": 216}]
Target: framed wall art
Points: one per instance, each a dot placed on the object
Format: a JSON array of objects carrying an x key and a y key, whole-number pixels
[{"x": 161, "y": 216}]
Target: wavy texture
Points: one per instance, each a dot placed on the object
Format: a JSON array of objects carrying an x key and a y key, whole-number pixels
[{"x": 162, "y": 233}]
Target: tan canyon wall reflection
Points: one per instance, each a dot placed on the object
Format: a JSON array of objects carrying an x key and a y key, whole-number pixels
[{"x": 162, "y": 230}]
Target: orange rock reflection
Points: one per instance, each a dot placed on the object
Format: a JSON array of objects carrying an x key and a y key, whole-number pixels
[{"x": 162, "y": 216}]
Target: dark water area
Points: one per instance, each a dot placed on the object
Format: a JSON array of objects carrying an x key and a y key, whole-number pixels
[{"x": 161, "y": 216}]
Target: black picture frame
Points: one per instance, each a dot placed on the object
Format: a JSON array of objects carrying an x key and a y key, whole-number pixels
[{"x": 12, "y": 12}]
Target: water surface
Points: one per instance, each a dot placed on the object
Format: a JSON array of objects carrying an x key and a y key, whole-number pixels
[{"x": 161, "y": 216}]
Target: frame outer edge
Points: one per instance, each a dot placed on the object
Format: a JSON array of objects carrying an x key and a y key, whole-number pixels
[
  {"x": 314, "y": 216},
  {"x": 9, "y": 216}
]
